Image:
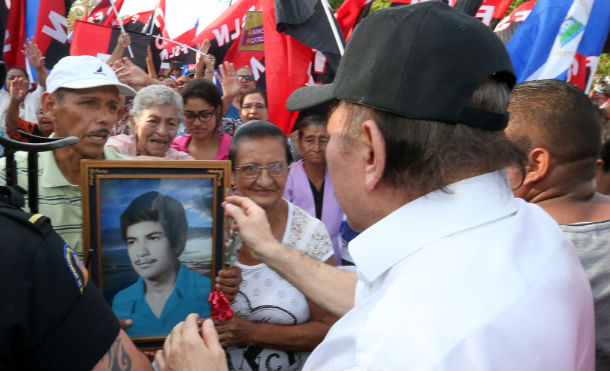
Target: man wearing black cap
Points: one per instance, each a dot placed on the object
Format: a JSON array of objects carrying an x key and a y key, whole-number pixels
[{"x": 453, "y": 272}]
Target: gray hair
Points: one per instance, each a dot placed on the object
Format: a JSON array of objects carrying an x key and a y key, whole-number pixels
[
  {"x": 423, "y": 155},
  {"x": 156, "y": 95}
]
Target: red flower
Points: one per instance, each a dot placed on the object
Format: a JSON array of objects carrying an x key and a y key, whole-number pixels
[{"x": 221, "y": 308}]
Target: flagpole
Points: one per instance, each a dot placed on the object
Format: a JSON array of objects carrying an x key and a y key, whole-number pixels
[
  {"x": 333, "y": 27},
  {"x": 116, "y": 12},
  {"x": 178, "y": 43},
  {"x": 152, "y": 19}
]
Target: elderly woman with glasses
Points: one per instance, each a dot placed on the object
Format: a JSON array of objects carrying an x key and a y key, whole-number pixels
[
  {"x": 155, "y": 117},
  {"x": 275, "y": 326},
  {"x": 202, "y": 118}
]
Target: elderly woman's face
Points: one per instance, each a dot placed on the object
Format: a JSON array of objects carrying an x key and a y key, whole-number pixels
[
  {"x": 264, "y": 186},
  {"x": 254, "y": 108},
  {"x": 313, "y": 142},
  {"x": 149, "y": 250},
  {"x": 155, "y": 129}
]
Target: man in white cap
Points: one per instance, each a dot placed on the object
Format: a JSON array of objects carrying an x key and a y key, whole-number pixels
[{"x": 82, "y": 99}]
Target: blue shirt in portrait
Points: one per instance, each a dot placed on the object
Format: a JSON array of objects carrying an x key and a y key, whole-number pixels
[{"x": 190, "y": 295}]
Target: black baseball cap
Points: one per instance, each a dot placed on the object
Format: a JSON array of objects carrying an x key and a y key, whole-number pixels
[{"x": 421, "y": 61}]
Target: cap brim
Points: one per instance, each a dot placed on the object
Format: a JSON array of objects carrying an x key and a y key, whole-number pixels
[
  {"x": 310, "y": 96},
  {"x": 93, "y": 83}
]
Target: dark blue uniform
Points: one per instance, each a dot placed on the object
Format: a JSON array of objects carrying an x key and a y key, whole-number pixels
[{"x": 51, "y": 316}]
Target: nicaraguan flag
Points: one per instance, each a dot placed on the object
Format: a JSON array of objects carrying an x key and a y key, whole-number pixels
[{"x": 546, "y": 44}]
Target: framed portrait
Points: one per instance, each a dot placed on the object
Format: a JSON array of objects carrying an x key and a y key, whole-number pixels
[{"x": 153, "y": 238}]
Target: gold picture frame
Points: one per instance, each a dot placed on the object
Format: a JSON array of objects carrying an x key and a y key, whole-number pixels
[{"x": 124, "y": 264}]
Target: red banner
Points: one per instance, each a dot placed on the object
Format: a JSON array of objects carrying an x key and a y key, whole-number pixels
[
  {"x": 51, "y": 35},
  {"x": 15, "y": 34},
  {"x": 103, "y": 13},
  {"x": 350, "y": 13}
]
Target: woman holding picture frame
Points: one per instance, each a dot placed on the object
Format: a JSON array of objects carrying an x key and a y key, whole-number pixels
[{"x": 275, "y": 326}]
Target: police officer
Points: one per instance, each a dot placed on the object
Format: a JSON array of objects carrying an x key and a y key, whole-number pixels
[{"x": 51, "y": 316}]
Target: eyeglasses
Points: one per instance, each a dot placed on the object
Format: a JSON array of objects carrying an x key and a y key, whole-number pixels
[
  {"x": 245, "y": 77},
  {"x": 256, "y": 107},
  {"x": 201, "y": 115},
  {"x": 252, "y": 171}
]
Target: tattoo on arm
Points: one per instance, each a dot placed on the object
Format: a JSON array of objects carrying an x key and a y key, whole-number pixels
[{"x": 118, "y": 358}]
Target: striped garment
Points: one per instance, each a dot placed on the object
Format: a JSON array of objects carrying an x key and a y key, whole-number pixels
[{"x": 57, "y": 198}]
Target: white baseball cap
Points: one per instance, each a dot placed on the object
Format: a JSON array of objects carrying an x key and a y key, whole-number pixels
[{"x": 83, "y": 72}]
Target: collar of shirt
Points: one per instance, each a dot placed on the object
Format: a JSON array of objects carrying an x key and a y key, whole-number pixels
[
  {"x": 52, "y": 175},
  {"x": 466, "y": 204}
]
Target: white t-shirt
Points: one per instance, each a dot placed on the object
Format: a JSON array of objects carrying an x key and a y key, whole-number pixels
[
  {"x": 467, "y": 279},
  {"x": 265, "y": 296}
]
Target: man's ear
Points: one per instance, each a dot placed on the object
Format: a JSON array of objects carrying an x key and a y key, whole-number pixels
[
  {"x": 375, "y": 156},
  {"x": 49, "y": 103},
  {"x": 538, "y": 166}
]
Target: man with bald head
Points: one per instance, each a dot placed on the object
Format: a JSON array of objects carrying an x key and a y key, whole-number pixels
[{"x": 558, "y": 127}]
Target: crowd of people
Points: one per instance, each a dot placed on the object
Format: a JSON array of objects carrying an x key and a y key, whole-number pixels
[{"x": 477, "y": 212}]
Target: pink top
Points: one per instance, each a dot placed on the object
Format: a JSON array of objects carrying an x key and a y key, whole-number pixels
[
  {"x": 126, "y": 145},
  {"x": 182, "y": 144}
]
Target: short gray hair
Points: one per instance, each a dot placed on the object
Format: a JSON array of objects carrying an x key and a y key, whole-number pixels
[
  {"x": 156, "y": 95},
  {"x": 424, "y": 156}
]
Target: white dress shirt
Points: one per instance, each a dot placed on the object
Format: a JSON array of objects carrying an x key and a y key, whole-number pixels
[{"x": 470, "y": 279}]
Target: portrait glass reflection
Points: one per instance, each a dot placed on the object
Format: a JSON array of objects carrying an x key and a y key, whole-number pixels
[{"x": 157, "y": 250}]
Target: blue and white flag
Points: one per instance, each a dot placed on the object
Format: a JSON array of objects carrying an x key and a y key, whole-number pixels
[{"x": 556, "y": 36}]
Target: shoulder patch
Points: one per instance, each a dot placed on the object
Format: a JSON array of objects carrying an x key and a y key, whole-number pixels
[{"x": 76, "y": 268}]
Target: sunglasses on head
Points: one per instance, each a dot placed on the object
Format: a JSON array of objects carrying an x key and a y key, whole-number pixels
[{"x": 246, "y": 77}]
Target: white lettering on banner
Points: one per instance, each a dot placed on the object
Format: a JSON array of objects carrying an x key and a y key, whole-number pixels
[
  {"x": 159, "y": 43},
  {"x": 96, "y": 17},
  {"x": 257, "y": 68},
  {"x": 7, "y": 47},
  {"x": 163, "y": 55},
  {"x": 235, "y": 34},
  {"x": 485, "y": 14},
  {"x": 57, "y": 32},
  {"x": 310, "y": 81},
  {"x": 222, "y": 37},
  {"x": 520, "y": 16},
  {"x": 319, "y": 62}
]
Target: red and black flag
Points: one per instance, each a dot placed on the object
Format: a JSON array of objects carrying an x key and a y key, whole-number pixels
[
  {"x": 14, "y": 35},
  {"x": 103, "y": 13},
  {"x": 51, "y": 30},
  {"x": 300, "y": 49},
  {"x": 505, "y": 29},
  {"x": 99, "y": 41}
]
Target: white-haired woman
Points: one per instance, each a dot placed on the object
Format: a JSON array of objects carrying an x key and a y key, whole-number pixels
[{"x": 155, "y": 118}]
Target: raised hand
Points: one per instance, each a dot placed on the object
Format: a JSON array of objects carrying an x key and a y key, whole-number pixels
[
  {"x": 33, "y": 54},
  {"x": 18, "y": 88},
  {"x": 228, "y": 79}
]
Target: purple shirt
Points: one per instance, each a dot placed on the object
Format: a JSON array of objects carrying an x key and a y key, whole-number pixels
[{"x": 298, "y": 191}]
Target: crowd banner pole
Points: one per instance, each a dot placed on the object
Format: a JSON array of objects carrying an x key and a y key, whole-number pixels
[
  {"x": 179, "y": 43},
  {"x": 331, "y": 22},
  {"x": 116, "y": 12}
]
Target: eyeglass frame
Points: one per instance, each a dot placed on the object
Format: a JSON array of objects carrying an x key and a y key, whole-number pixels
[
  {"x": 197, "y": 116},
  {"x": 285, "y": 168},
  {"x": 248, "y": 78}
]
